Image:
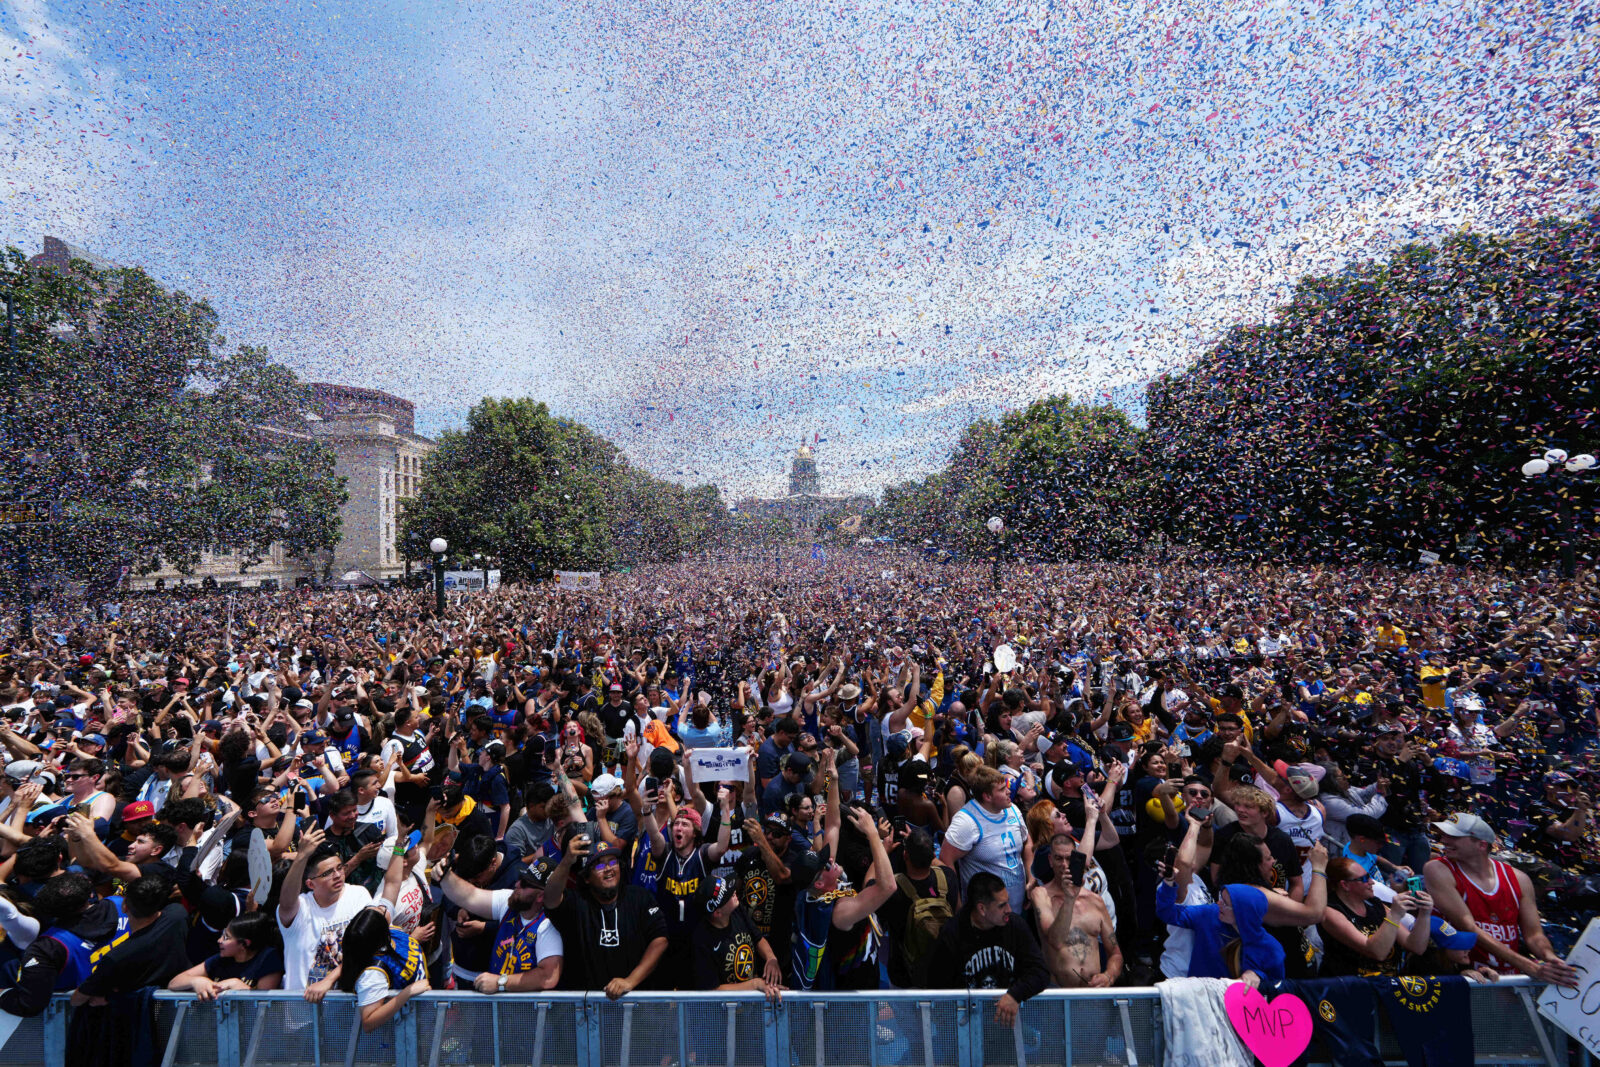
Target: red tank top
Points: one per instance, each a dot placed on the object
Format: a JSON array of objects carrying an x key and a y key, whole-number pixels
[{"x": 1499, "y": 915}]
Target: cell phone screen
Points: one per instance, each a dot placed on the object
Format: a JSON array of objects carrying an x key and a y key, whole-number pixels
[{"x": 1075, "y": 868}]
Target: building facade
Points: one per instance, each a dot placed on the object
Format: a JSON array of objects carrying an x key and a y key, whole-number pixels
[
  {"x": 379, "y": 454},
  {"x": 806, "y": 502}
]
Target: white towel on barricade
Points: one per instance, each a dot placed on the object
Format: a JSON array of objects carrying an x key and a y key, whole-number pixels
[{"x": 1196, "y": 1026}]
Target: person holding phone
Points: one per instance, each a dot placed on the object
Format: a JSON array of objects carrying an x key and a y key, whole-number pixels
[
  {"x": 1076, "y": 927},
  {"x": 1361, "y": 934}
]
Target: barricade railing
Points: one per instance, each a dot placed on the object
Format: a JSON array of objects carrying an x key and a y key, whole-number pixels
[{"x": 886, "y": 1028}]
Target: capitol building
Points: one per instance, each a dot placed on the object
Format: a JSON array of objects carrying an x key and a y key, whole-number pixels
[{"x": 806, "y": 502}]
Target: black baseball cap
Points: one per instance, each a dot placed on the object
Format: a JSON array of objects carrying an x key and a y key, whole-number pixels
[{"x": 805, "y": 869}]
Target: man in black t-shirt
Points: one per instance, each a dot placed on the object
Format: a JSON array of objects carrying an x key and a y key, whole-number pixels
[
  {"x": 614, "y": 934},
  {"x": 411, "y": 772},
  {"x": 729, "y": 952}
]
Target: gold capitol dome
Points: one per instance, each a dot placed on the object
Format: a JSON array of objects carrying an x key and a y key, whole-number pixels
[{"x": 803, "y": 452}]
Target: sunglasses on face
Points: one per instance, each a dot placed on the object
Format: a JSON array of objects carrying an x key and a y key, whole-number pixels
[{"x": 606, "y": 865}]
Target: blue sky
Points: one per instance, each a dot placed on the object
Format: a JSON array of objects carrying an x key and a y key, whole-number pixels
[{"x": 711, "y": 228}]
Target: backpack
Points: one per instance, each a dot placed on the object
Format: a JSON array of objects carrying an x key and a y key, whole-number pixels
[{"x": 925, "y": 918}]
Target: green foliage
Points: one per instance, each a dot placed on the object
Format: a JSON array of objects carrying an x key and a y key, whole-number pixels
[
  {"x": 534, "y": 493},
  {"x": 1383, "y": 410},
  {"x": 1069, "y": 481},
  {"x": 127, "y": 408},
  {"x": 1389, "y": 408}
]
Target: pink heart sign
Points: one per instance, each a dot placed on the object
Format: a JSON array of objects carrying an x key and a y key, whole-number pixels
[{"x": 1277, "y": 1031}]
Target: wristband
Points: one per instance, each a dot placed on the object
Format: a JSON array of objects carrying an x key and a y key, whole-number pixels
[
  {"x": 1322, "y": 873},
  {"x": 1394, "y": 924}
]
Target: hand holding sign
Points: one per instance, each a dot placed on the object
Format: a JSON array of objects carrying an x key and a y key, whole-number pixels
[{"x": 1277, "y": 1031}]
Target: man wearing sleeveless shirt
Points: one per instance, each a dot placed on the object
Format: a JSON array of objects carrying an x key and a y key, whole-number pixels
[{"x": 1482, "y": 895}]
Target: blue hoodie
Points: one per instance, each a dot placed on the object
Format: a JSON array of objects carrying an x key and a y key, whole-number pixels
[{"x": 1261, "y": 951}]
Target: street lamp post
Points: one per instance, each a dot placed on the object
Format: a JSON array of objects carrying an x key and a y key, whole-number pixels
[
  {"x": 1555, "y": 463},
  {"x": 997, "y": 527},
  {"x": 438, "y": 546}
]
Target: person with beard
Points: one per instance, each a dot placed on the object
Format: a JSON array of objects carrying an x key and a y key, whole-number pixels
[
  {"x": 615, "y": 934},
  {"x": 988, "y": 946},
  {"x": 834, "y": 944},
  {"x": 528, "y": 952}
]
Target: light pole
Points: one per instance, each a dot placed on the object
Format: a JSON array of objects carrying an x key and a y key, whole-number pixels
[
  {"x": 997, "y": 527},
  {"x": 438, "y": 546},
  {"x": 1569, "y": 468}
]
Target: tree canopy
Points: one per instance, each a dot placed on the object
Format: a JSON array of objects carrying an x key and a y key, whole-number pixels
[
  {"x": 1383, "y": 410},
  {"x": 127, "y": 408},
  {"x": 533, "y": 492}
]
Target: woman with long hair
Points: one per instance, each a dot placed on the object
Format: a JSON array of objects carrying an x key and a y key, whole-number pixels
[
  {"x": 1363, "y": 936},
  {"x": 249, "y": 956},
  {"x": 381, "y": 965}
]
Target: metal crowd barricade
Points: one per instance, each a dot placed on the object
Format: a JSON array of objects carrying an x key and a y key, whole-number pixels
[{"x": 888, "y": 1028}]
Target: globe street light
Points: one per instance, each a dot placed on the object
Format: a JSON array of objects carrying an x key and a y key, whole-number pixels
[
  {"x": 438, "y": 546},
  {"x": 1556, "y": 463}
]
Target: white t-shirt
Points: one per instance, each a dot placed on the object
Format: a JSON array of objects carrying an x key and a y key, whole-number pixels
[
  {"x": 373, "y": 988},
  {"x": 546, "y": 939},
  {"x": 313, "y": 942},
  {"x": 1180, "y": 939}
]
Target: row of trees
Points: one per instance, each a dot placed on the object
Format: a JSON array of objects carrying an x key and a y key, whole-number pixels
[
  {"x": 1383, "y": 410},
  {"x": 125, "y": 407},
  {"x": 530, "y": 492}
]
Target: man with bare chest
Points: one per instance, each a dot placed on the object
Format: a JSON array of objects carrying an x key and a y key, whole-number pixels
[{"x": 1075, "y": 928}]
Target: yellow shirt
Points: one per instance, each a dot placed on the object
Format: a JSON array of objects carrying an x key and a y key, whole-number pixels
[
  {"x": 1433, "y": 679},
  {"x": 1391, "y": 637}
]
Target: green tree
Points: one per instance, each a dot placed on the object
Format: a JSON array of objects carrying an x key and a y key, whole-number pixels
[
  {"x": 534, "y": 493},
  {"x": 126, "y": 407}
]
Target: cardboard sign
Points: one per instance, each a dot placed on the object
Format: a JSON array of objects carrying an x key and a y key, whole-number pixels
[
  {"x": 721, "y": 764},
  {"x": 1277, "y": 1031},
  {"x": 1577, "y": 1011}
]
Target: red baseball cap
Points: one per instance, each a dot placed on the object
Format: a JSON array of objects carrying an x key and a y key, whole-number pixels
[{"x": 139, "y": 809}]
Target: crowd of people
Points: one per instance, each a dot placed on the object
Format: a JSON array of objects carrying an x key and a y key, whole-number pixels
[{"x": 876, "y": 771}]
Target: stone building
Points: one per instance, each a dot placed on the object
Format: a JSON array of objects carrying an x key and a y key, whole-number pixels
[
  {"x": 806, "y": 501},
  {"x": 376, "y": 449},
  {"x": 379, "y": 454}
]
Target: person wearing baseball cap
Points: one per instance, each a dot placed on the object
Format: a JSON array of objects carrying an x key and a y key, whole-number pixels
[
  {"x": 616, "y": 933},
  {"x": 1477, "y": 893},
  {"x": 685, "y": 863},
  {"x": 528, "y": 954},
  {"x": 820, "y": 907},
  {"x": 730, "y": 954}
]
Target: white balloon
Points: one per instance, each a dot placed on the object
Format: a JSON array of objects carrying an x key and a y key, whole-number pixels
[
  {"x": 1555, "y": 456},
  {"x": 1581, "y": 462},
  {"x": 1005, "y": 659},
  {"x": 995, "y": 524},
  {"x": 1535, "y": 467}
]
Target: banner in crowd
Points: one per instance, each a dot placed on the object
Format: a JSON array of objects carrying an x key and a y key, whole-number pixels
[
  {"x": 578, "y": 579},
  {"x": 721, "y": 764},
  {"x": 472, "y": 581},
  {"x": 1577, "y": 1011}
]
